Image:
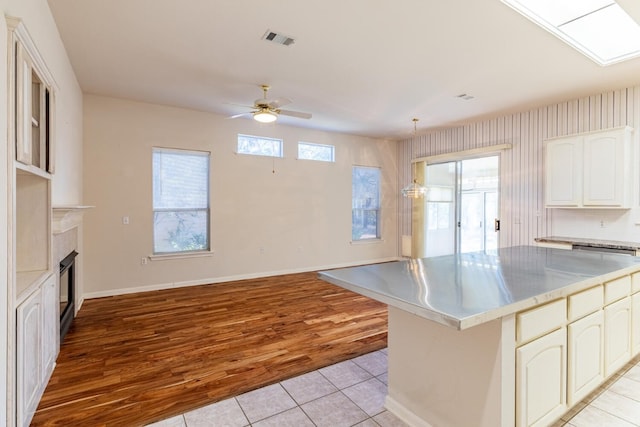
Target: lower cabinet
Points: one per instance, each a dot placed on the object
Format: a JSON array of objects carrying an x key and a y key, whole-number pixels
[
  {"x": 29, "y": 349},
  {"x": 635, "y": 324},
  {"x": 585, "y": 347},
  {"x": 541, "y": 380},
  {"x": 37, "y": 329},
  {"x": 617, "y": 335}
]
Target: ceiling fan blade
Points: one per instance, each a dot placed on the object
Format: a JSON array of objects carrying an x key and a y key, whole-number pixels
[
  {"x": 278, "y": 102},
  {"x": 297, "y": 114},
  {"x": 240, "y": 115}
]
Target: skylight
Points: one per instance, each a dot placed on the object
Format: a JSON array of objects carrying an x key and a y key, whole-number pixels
[{"x": 600, "y": 29}]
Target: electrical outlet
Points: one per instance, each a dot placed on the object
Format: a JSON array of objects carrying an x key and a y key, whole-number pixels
[
  {"x": 125, "y": 220},
  {"x": 144, "y": 260},
  {"x": 601, "y": 224}
]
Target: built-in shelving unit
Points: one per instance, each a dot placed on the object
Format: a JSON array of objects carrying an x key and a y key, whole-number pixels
[{"x": 33, "y": 279}]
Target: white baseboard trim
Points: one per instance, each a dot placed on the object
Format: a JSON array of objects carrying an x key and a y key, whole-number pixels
[
  {"x": 403, "y": 413},
  {"x": 212, "y": 280}
]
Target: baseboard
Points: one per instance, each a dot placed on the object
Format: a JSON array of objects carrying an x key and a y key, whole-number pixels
[
  {"x": 212, "y": 280},
  {"x": 403, "y": 413}
]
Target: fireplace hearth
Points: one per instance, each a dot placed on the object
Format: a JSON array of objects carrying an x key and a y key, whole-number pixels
[{"x": 67, "y": 292}]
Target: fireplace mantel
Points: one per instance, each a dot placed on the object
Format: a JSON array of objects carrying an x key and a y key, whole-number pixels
[{"x": 66, "y": 217}]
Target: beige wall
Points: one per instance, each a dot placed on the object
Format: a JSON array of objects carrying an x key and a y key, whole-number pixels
[
  {"x": 262, "y": 223},
  {"x": 67, "y": 185}
]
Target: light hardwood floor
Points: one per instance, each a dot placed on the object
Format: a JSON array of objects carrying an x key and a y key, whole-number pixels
[{"x": 134, "y": 359}]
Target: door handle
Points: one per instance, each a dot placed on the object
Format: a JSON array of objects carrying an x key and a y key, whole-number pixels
[{"x": 496, "y": 225}]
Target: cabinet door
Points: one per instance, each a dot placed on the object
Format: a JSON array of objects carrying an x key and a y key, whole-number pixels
[
  {"x": 29, "y": 333},
  {"x": 24, "y": 70},
  {"x": 617, "y": 335},
  {"x": 604, "y": 169},
  {"x": 585, "y": 347},
  {"x": 541, "y": 380},
  {"x": 50, "y": 326},
  {"x": 635, "y": 324},
  {"x": 563, "y": 172}
]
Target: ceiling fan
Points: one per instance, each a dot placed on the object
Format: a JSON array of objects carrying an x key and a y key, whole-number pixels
[{"x": 267, "y": 110}]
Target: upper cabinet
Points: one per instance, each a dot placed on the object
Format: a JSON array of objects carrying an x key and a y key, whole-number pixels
[
  {"x": 590, "y": 170},
  {"x": 34, "y": 103}
]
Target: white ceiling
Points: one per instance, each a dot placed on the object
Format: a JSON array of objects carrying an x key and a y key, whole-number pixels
[{"x": 364, "y": 67}]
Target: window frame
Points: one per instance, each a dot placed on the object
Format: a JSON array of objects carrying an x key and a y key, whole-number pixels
[
  {"x": 377, "y": 209},
  {"x": 182, "y": 253},
  {"x": 266, "y": 138},
  {"x": 333, "y": 151}
]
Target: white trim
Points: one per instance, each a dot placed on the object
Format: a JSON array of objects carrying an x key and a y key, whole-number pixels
[
  {"x": 214, "y": 280},
  {"x": 403, "y": 413},
  {"x": 162, "y": 257},
  {"x": 17, "y": 27},
  {"x": 461, "y": 155},
  {"x": 366, "y": 241}
]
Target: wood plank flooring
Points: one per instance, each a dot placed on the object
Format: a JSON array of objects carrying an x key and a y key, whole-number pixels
[{"x": 134, "y": 359}]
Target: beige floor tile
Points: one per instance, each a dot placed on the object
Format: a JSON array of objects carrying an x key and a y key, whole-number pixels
[
  {"x": 291, "y": 418},
  {"x": 594, "y": 417},
  {"x": 375, "y": 363},
  {"x": 368, "y": 395},
  {"x": 224, "y": 413},
  {"x": 345, "y": 374},
  {"x": 265, "y": 402},
  {"x": 334, "y": 410},
  {"x": 170, "y": 422},
  {"x": 618, "y": 405},
  {"x": 308, "y": 387}
]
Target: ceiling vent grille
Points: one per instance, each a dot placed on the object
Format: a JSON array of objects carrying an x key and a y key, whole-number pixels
[{"x": 277, "y": 38}]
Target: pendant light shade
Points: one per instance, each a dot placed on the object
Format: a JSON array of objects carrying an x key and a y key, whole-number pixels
[{"x": 414, "y": 190}]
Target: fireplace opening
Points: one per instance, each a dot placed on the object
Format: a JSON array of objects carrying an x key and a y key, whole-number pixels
[{"x": 67, "y": 292}]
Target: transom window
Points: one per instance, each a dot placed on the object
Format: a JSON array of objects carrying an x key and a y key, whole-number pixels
[
  {"x": 365, "y": 203},
  {"x": 319, "y": 152},
  {"x": 180, "y": 201},
  {"x": 259, "y": 146}
]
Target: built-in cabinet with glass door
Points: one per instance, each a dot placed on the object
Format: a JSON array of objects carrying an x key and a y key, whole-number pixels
[{"x": 32, "y": 280}]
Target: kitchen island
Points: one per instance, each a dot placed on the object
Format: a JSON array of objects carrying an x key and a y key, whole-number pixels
[{"x": 510, "y": 338}]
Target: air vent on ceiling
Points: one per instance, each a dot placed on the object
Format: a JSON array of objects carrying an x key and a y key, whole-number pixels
[
  {"x": 278, "y": 38},
  {"x": 465, "y": 96}
]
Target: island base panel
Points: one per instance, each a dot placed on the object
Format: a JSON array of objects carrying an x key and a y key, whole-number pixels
[{"x": 439, "y": 376}]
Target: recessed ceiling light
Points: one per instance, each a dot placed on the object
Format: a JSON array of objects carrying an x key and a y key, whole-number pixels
[{"x": 600, "y": 29}]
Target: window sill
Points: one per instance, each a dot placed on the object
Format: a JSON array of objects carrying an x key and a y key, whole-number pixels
[
  {"x": 367, "y": 241},
  {"x": 180, "y": 256}
]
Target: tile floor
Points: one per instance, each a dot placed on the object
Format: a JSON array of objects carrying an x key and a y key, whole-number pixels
[{"x": 352, "y": 393}]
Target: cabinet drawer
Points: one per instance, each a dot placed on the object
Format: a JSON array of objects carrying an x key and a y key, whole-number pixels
[
  {"x": 617, "y": 289},
  {"x": 635, "y": 282},
  {"x": 585, "y": 302},
  {"x": 540, "y": 320}
]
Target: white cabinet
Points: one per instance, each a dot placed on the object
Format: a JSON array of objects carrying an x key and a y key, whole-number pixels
[
  {"x": 617, "y": 335},
  {"x": 585, "y": 347},
  {"x": 37, "y": 331},
  {"x": 635, "y": 324},
  {"x": 541, "y": 379},
  {"x": 29, "y": 346},
  {"x": 591, "y": 170},
  {"x": 564, "y": 172},
  {"x": 50, "y": 326}
]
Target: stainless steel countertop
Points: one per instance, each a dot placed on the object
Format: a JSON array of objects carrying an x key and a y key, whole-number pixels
[
  {"x": 465, "y": 290},
  {"x": 594, "y": 243}
]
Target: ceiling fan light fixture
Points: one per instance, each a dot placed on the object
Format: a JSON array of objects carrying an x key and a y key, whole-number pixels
[{"x": 265, "y": 116}]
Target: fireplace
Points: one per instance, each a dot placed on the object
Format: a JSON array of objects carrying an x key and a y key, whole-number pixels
[{"x": 67, "y": 292}]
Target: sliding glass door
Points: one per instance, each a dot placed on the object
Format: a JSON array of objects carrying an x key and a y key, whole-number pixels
[{"x": 462, "y": 206}]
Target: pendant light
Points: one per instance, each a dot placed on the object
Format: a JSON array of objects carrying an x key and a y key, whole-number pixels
[{"x": 414, "y": 190}]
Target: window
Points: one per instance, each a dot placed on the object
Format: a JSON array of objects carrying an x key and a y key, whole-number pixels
[
  {"x": 365, "y": 203},
  {"x": 180, "y": 201},
  {"x": 320, "y": 152},
  {"x": 259, "y": 146}
]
